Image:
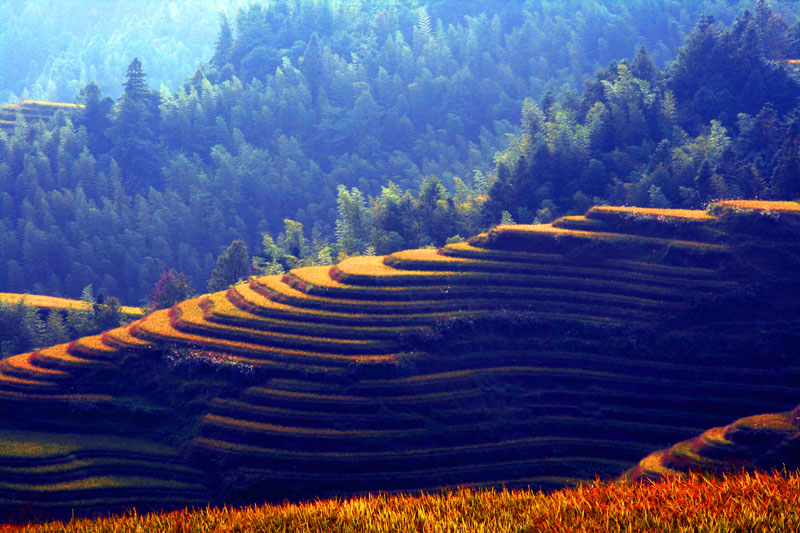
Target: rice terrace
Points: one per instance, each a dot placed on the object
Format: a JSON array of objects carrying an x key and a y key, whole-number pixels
[
  {"x": 399, "y": 265},
  {"x": 530, "y": 356}
]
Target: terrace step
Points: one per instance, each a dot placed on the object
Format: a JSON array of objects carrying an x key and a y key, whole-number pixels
[
  {"x": 157, "y": 327},
  {"x": 341, "y": 403},
  {"x": 389, "y": 462},
  {"x": 122, "y": 339},
  {"x": 754, "y": 441},
  {"x": 279, "y": 416},
  {"x": 679, "y": 224},
  {"x": 20, "y": 366},
  {"x": 220, "y": 310},
  {"x": 581, "y": 223},
  {"x": 59, "y": 471},
  {"x": 618, "y": 271},
  {"x": 453, "y": 285},
  {"x": 59, "y": 358},
  {"x": 638, "y": 309},
  {"x": 93, "y": 348},
  {"x": 354, "y": 441},
  {"x": 188, "y": 317},
  {"x": 589, "y": 244},
  {"x": 13, "y": 384},
  {"x": 255, "y": 299},
  {"x": 468, "y": 251}
]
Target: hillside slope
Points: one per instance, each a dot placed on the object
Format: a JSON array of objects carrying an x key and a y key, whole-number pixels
[{"x": 530, "y": 356}]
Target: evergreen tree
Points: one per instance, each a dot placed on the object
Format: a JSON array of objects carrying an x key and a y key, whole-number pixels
[
  {"x": 95, "y": 117},
  {"x": 224, "y": 45},
  {"x": 135, "y": 133},
  {"x": 643, "y": 66},
  {"x": 108, "y": 313},
  {"x": 312, "y": 66},
  {"x": 55, "y": 329},
  {"x": 33, "y": 328},
  {"x": 294, "y": 240},
  {"x": 232, "y": 266},
  {"x": 135, "y": 81}
]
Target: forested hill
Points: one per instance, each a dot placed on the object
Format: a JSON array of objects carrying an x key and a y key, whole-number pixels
[
  {"x": 172, "y": 37},
  {"x": 404, "y": 104}
]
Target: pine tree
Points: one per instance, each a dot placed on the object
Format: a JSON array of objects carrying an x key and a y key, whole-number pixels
[
  {"x": 33, "y": 328},
  {"x": 312, "y": 66},
  {"x": 643, "y": 66},
  {"x": 233, "y": 265},
  {"x": 135, "y": 133},
  {"x": 95, "y": 116},
  {"x": 135, "y": 80},
  {"x": 108, "y": 313},
  {"x": 55, "y": 331},
  {"x": 224, "y": 45}
]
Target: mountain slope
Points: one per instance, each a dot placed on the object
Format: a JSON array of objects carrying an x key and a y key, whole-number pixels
[{"x": 532, "y": 355}]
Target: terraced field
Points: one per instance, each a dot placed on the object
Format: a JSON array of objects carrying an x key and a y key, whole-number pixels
[
  {"x": 766, "y": 441},
  {"x": 61, "y": 304},
  {"x": 31, "y": 110},
  {"x": 45, "y": 474},
  {"x": 530, "y": 356}
]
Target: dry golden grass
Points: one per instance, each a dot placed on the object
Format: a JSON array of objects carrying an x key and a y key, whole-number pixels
[{"x": 741, "y": 502}]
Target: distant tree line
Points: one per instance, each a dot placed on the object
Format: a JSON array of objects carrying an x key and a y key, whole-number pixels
[
  {"x": 50, "y": 50},
  {"x": 323, "y": 129}
]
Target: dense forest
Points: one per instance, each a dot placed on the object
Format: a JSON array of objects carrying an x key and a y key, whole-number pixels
[
  {"x": 317, "y": 129},
  {"x": 98, "y": 43}
]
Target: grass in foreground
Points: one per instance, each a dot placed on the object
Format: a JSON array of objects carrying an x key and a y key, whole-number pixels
[{"x": 741, "y": 502}]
